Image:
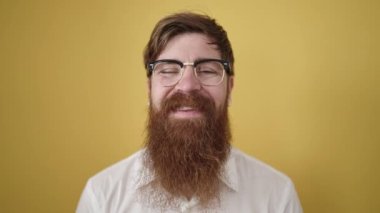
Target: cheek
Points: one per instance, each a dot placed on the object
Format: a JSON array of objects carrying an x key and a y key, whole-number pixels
[
  {"x": 219, "y": 95},
  {"x": 157, "y": 95}
]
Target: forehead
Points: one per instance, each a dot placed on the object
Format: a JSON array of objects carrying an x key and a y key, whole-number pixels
[{"x": 190, "y": 47}]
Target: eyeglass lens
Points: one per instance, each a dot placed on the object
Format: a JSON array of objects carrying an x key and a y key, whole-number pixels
[{"x": 208, "y": 73}]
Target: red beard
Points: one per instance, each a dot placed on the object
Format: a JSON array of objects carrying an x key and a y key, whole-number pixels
[{"x": 187, "y": 155}]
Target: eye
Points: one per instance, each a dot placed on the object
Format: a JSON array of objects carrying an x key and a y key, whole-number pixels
[
  {"x": 167, "y": 69},
  {"x": 209, "y": 69},
  {"x": 207, "y": 72}
]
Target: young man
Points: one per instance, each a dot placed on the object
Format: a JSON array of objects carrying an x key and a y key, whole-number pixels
[{"x": 188, "y": 164}]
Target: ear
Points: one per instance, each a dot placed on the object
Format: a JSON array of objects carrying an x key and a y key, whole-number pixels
[
  {"x": 230, "y": 86},
  {"x": 149, "y": 85}
]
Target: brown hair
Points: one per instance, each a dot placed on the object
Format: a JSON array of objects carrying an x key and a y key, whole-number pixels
[{"x": 187, "y": 22}]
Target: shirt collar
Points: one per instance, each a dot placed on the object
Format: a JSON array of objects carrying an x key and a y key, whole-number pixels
[{"x": 229, "y": 175}]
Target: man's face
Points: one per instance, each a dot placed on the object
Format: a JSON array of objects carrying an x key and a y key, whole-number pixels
[
  {"x": 188, "y": 130},
  {"x": 189, "y": 47}
]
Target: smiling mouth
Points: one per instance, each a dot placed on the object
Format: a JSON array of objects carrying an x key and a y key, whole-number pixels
[{"x": 186, "y": 112}]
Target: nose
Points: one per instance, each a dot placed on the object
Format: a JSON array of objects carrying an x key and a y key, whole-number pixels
[{"x": 188, "y": 81}]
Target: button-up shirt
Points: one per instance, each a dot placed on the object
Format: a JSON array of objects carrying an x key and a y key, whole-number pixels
[{"x": 249, "y": 185}]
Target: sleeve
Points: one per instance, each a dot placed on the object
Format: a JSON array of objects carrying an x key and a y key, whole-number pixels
[
  {"x": 88, "y": 203},
  {"x": 291, "y": 202}
]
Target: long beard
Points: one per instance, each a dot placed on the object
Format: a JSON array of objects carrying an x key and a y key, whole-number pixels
[{"x": 187, "y": 155}]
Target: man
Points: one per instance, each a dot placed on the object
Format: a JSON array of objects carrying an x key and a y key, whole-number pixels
[{"x": 188, "y": 164}]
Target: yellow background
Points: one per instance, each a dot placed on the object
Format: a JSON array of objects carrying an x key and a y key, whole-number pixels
[{"x": 74, "y": 99}]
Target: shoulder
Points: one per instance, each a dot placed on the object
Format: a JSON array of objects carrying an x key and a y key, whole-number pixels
[
  {"x": 248, "y": 168},
  {"x": 261, "y": 186},
  {"x": 105, "y": 189},
  {"x": 123, "y": 172}
]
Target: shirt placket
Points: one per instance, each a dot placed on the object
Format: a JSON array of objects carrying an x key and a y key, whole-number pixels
[{"x": 187, "y": 206}]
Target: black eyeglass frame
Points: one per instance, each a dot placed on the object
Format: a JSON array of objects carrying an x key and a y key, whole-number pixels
[{"x": 225, "y": 63}]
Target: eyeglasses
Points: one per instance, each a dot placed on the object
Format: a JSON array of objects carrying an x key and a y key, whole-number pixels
[{"x": 209, "y": 72}]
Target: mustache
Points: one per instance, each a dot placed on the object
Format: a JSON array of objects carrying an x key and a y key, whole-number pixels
[{"x": 193, "y": 99}]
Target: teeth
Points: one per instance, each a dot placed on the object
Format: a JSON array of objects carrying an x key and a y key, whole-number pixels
[{"x": 185, "y": 108}]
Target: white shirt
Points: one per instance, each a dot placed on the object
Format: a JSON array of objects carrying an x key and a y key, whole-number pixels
[{"x": 249, "y": 186}]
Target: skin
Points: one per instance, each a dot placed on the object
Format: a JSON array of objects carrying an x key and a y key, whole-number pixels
[{"x": 189, "y": 47}]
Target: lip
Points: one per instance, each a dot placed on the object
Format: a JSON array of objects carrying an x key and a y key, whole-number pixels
[{"x": 186, "y": 112}]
